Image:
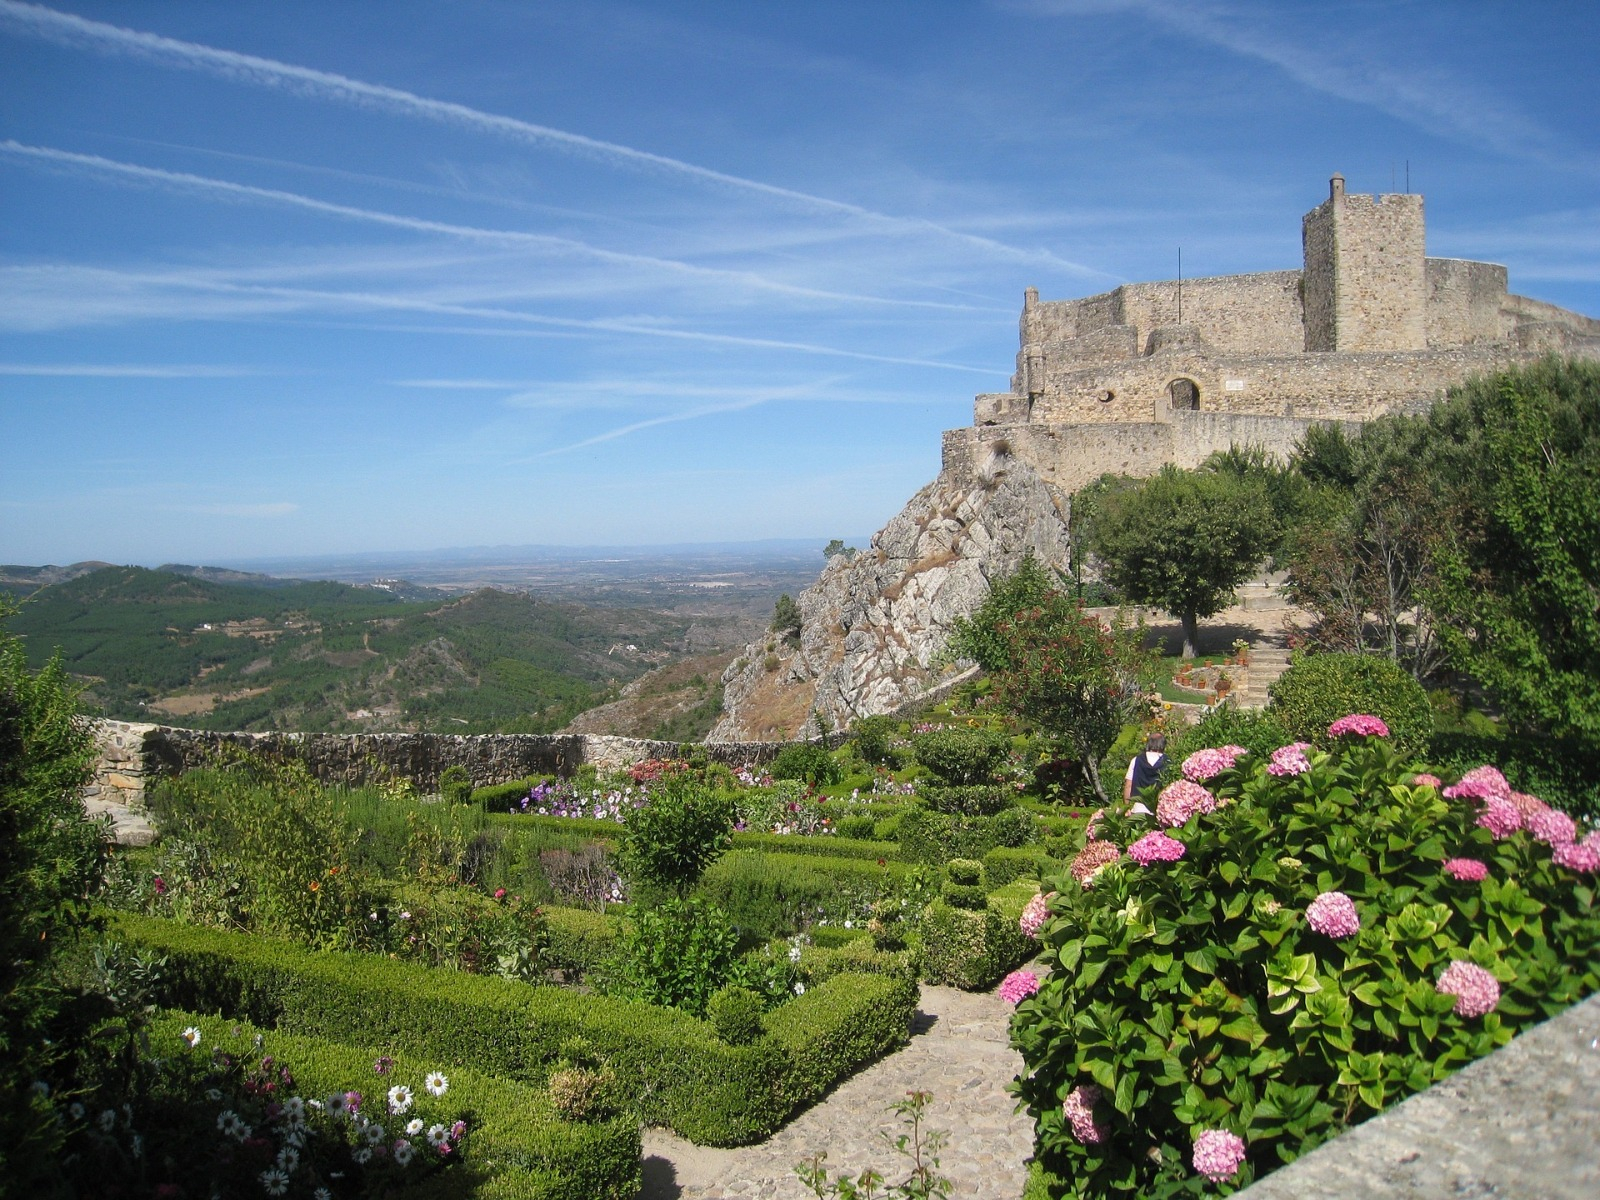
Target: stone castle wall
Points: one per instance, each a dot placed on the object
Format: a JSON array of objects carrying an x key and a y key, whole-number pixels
[
  {"x": 1364, "y": 268},
  {"x": 133, "y": 756}
]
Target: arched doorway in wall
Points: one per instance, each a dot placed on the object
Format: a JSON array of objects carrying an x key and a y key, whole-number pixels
[{"x": 1184, "y": 395}]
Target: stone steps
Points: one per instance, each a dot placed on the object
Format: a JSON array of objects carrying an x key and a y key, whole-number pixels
[{"x": 1266, "y": 664}]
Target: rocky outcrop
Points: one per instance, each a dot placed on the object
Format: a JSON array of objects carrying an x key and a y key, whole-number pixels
[{"x": 874, "y": 625}]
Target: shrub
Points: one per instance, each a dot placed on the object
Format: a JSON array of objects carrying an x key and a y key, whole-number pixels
[
  {"x": 774, "y": 895},
  {"x": 830, "y": 847},
  {"x": 1559, "y": 771},
  {"x": 968, "y": 800},
  {"x": 808, "y": 763},
  {"x": 971, "y": 948},
  {"x": 579, "y": 939},
  {"x": 859, "y": 828},
  {"x": 1004, "y": 864},
  {"x": 935, "y": 838},
  {"x": 455, "y": 785},
  {"x": 961, "y": 755},
  {"x": 735, "y": 1013},
  {"x": 1275, "y": 970},
  {"x": 1318, "y": 689},
  {"x": 673, "y": 1067},
  {"x": 676, "y": 834},
  {"x": 1258, "y": 731},
  {"x": 874, "y": 739},
  {"x": 674, "y": 956}
]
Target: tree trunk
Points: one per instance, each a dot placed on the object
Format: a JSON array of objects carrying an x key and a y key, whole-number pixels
[
  {"x": 1091, "y": 769},
  {"x": 1191, "y": 633}
]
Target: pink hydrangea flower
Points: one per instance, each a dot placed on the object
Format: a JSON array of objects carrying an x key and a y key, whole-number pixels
[
  {"x": 1500, "y": 817},
  {"x": 1079, "y": 1111},
  {"x": 1092, "y": 859},
  {"x": 1290, "y": 759},
  {"x": 1426, "y": 780},
  {"x": 1578, "y": 856},
  {"x": 1480, "y": 783},
  {"x": 1156, "y": 847},
  {"x": 1469, "y": 869},
  {"x": 1218, "y": 1154},
  {"x": 1207, "y": 764},
  {"x": 1034, "y": 915},
  {"x": 1018, "y": 986},
  {"x": 1092, "y": 830},
  {"x": 1358, "y": 725},
  {"x": 1528, "y": 805},
  {"x": 1476, "y": 991},
  {"x": 1551, "y": 826},
  {"x": 1333, "y": 914},
  {"x": 1181, "y": 800}
]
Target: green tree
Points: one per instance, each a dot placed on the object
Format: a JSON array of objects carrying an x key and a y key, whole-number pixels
[
  {"x": 1183, "y": 540},
  {"x": 1074, "y": 679},
  {"x": 51, "y": 858},
  {"x": 978, "y": 637},
  {"x": 1518, "y": 593},
  {"x": 837, "y": 546},
  {"x": 786, "y": 618}
]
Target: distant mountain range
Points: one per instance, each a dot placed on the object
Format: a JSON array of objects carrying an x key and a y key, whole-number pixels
[{"x": 224, "y": 649}]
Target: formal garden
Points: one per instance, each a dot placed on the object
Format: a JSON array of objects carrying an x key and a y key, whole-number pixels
[{"x": 1319, "y": 909}]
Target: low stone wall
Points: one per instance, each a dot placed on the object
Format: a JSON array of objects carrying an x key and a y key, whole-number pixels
[{"x": 132, "y": 755}]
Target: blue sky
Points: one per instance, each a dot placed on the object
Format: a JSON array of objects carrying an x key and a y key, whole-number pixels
[{"x": 308, "y": 278}]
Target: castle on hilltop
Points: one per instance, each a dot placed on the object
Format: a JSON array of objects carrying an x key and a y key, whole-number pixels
[{"x": 1152, "y": 373}]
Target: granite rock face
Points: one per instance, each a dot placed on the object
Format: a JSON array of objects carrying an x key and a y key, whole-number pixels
[{"x": 874, "y": 624}]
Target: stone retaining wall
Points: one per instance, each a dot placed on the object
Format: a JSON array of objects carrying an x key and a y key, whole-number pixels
[{"x": 131, "y": 755}]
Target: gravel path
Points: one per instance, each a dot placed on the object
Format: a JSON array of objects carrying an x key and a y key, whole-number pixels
[{"x": 958, "y": 1052}]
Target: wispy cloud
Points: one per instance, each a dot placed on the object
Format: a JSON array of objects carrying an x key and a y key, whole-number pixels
[
  {"x": 125, "y": 371},
  {"x": 68, "y": 29},
  {"x": 537, "y": 241},
  {"x": 1426, "y": 96},
  {"x": 34, "y": 298}
]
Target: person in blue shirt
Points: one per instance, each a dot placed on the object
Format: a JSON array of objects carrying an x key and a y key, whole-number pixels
[{"x": 1145, "y": 768}]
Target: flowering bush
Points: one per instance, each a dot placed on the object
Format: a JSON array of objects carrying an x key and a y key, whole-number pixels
[{"x": 1239, "y": 988}]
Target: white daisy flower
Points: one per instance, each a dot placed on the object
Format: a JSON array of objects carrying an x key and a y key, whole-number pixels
[
  {"x": 226, "y": 1119},
  {"x": 399, "y": 1098},
  {"x": 374, "y": 1135},
  {"x": 322, "y": 1193},
  {"x": 403, "y": 1152},
  {"x": 294, "y": 1108},
  {"x": 192, "y": 1036},
  {"x": 799, "y": 989},
  {"x": 437, "y": 1084},
  {"x": 288, "y": 1159},
  {"x": 108, "y": 1120},
  {"x": 362, "y": 1155},
  {"x": 275, "y": 1182},
  {"x": 413, "y": 1126},
  {"x": 438, "y": 1135},
  {"x": 76, "y": 1111}
]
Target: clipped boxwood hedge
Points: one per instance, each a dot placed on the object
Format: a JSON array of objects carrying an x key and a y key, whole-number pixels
[
  {"x": 973, "y": 949},
  {"x": 1004, "y": 863},
  {"x": 579, "y": 938},
  {"x": 524, "y": 1150},
  {"x": 827, "y": 847},
  {"x": 680, "y": 1072},
  {"x": 935, "y": 838}
]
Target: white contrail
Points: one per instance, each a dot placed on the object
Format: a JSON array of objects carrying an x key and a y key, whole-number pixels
[
  {"x": 543, "y": 241},
  {"x": 75, "y": 31}
]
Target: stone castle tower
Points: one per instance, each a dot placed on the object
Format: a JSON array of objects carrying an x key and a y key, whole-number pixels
[{"x": 1126, "y": 381}]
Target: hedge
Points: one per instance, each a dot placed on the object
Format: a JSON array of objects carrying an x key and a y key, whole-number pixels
[
  {"x": 826, "y": 846},
  {"x": 519, "y": 1147},
  {"x": 935, "y": 838},
  {"x": 1004, "y": 863},
  {"x": 1560, "y": 771},
  {"x": 819, "y": 962},
  {"x": 681, "y": 1074},
  {"x": 774, "y": 895},
  {"x": 579, "y": 938},
  {"x": 973, "y": 949},
  {"x": 591, "y": 827}
]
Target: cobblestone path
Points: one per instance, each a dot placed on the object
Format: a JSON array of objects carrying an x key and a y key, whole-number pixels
[{"x": 958, "y": 1052}]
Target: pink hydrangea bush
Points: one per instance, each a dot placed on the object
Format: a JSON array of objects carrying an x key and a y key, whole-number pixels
[
  {"x": 1358, "y": 725},
  {"x": 1034, "y": 914},
  {"x": 1323, "y": 910}
]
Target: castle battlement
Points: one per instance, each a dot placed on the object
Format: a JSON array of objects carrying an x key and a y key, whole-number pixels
[{"x": 1158, "y": 372}]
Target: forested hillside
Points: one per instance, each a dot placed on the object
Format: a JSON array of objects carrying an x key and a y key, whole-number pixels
[{"x": 162, "y": 646}]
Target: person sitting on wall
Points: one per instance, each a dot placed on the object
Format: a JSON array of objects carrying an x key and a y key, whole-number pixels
[{"x": 1145, "y": 769}]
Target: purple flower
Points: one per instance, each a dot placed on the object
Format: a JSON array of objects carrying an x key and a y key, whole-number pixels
[
  {"x": 1426, "y": 780},
  {"x": 1290, "y": 759},
  {"x": 1500, "y": 818},
  {"x": 1476, "y": 991},
  {"x": 1155, "y": 847},
  {"x": 1207, "y": 764},
  {"x": 1333, "y": 914},
  {"x": 1358, "y": 725},
  {"x": 1018, "y": 986},
  {"x": 1551, "y": 826},
  {"x": 1079, "y": 1111},
  {"x": 1218, "y": 1154},
  {"x": 1469, "y": 869},
  {"x": 1480, "y": 783},
  {"x": 1181, "y": 800}
]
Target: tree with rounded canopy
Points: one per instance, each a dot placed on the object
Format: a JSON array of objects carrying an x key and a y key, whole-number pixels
[{"x": 1182, "y": 541}]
